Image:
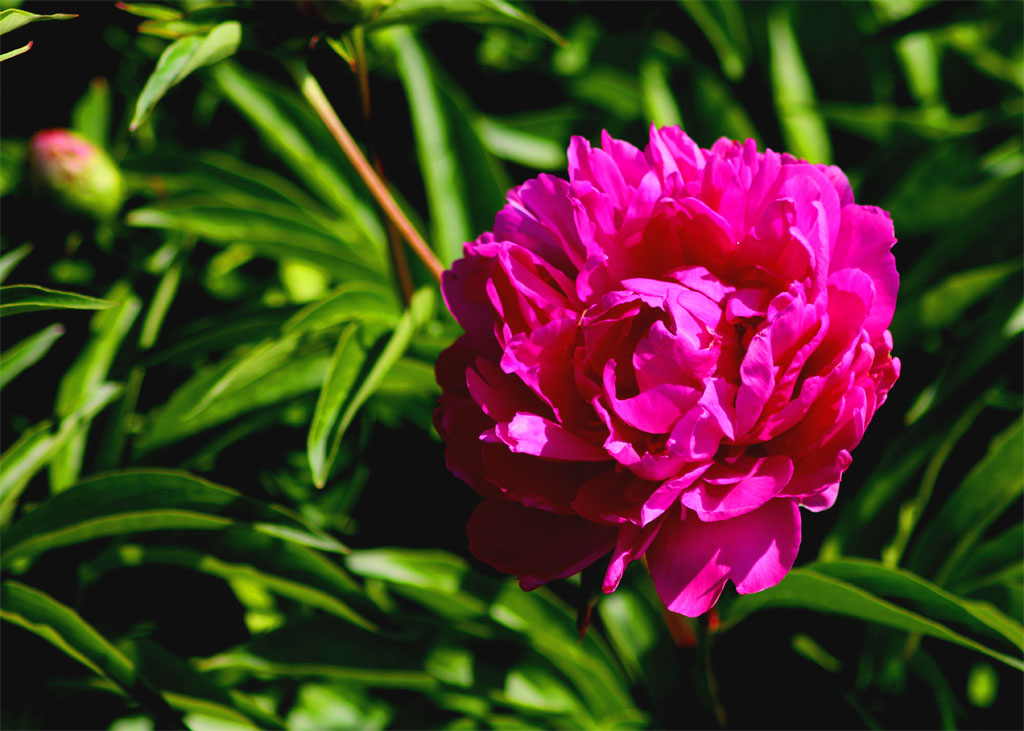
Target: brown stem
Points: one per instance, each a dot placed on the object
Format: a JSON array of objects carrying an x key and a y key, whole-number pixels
[
  {"x": 315, "y": 96},
  {"x": 399, "y": 263}
]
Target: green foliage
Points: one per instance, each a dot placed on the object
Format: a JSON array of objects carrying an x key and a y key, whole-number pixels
[{"x": 250, "y": 392}]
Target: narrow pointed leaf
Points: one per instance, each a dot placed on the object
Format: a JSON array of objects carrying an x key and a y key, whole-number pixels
[
  {"x": 808, "y": 589},
  {"x": 14, "y": 18},
  {"x": 149, "y": 500},
  {"x": 17, "y": 298},
  {"x": 27, "y": 353},
  {"x": 479, "y": 12}
]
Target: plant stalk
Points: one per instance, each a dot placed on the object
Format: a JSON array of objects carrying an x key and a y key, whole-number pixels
[{"x": 315, "y": 96}]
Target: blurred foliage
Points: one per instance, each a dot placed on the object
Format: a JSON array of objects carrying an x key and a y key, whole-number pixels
[{"x": 239, "y": 335}]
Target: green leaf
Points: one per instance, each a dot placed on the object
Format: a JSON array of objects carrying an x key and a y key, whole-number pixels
[
  {"x": 932, "y": 601},
  {"x": 183, "y": 57},
  {"x": 37, "y": 446},
  {"x": 944, "y": 303},
  {"x": 989, "y": 561},
  {"x": 293, "y": 132},
  {"x": 442, "y": 178},
  {"x": 13, "y": 18},
  {"x": 17, "y": 51},
  {"x": 479, "y": 12},
  {"x": 323, "y": 647},
  {"x": 346, "y": 364},
  {"x": 518, "y": 146},
  {"x": 62, "y": 627},
  {"x": 352, "y": 379},
  {"x": 803, "y": 129},
  {"x": 273, "y": 231},
  {"x": 993, "y": 485},
  {"x": 732, "y": 52},
  {"x": 808, "y": 589},
  {"x": 549, "y": 628},
  {"x": 338, "y": 706},
  {"x": 17, "y": 298},
  {"x": 91, "y": 114},
  {"x": 12, "y": 258},
  {"x": 238, "y": 554},
  {"x": 149, "y": 500},
  {"x": 13, "y": 154},
  {"x": 27, "y": 353},
  {"x": 90, "y": 369},
  {"x": 151, "y": 10},
  {"x": 659, "y": 102},
  {"x": 351, "y": 302},
  {"x": 176, "y": 419}
]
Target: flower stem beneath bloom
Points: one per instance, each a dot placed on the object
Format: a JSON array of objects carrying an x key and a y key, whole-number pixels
[{"x": 315, "y": 96}]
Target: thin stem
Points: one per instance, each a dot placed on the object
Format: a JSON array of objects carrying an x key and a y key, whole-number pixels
[
  {"x": 315, "y": 96},
  {"x": 704, "y": 660}
]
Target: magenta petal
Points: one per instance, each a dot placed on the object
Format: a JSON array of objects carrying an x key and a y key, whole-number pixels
[
  {"x": 725, "y": 492},
  {"x": 630, "y": 545},
  {"x": 532, "y": 434},
  {"x": 690, "y": 560},
  {"x": 535, "y": 545}
]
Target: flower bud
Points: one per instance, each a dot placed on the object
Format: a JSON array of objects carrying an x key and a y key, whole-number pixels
[{"x": 80, "y": 175}]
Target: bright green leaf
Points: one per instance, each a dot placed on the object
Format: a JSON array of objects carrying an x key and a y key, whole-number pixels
[
  {"x": 17, "y": 298},
  {"x": 803, "y": 129},
  {"x": 13, "y": 18},
  {"x": 27, "y": 353},
  {"x": 183, "y": 57}
]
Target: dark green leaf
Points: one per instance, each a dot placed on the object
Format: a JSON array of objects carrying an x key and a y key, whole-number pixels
[
  {"x": 989, "y": 489},
  {"x": 65, "y": 629},
  {"x": 442, "y": 179},
  {"x": 807, "y": 589},
  {"x": 16, "y": 298},
  {"x": 37, "y": 446},
  {"x": 481, "y": 12},
  {"x": 298, "y": 137},
  {"x": 148, "y": 500},
  {"x": 351, "y": 380}
]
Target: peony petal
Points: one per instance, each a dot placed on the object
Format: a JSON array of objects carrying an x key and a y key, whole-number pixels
[
  {"x": 864, "y": 242},
  {"x": 535, "y": 545},
  {"x": 691, "y": 560},
  {"x": 629, "y": 546},
  {"x": 727, "y": 491},
  {"x": 532, "y": 434}
]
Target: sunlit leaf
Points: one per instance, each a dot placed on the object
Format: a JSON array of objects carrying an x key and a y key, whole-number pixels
[
  {"x": 180, "y": 59},
  {"x": 14, "y": 18},
  {"x": 91, "y": 114},
  {"x": 17, "y": 298},
  {"x": 803, "y": 130},
  {"x": 17, "y": 51},
  {"x": 11, "y": 259},
  {"x": 28, "y": 352}
]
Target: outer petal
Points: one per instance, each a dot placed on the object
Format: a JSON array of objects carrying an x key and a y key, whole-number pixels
[
  {"x": 691, "y": 560},
  {"x": 536, "y": 545}
]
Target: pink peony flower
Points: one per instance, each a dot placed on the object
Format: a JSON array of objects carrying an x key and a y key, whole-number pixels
[{"x": 667, "y": 355}]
